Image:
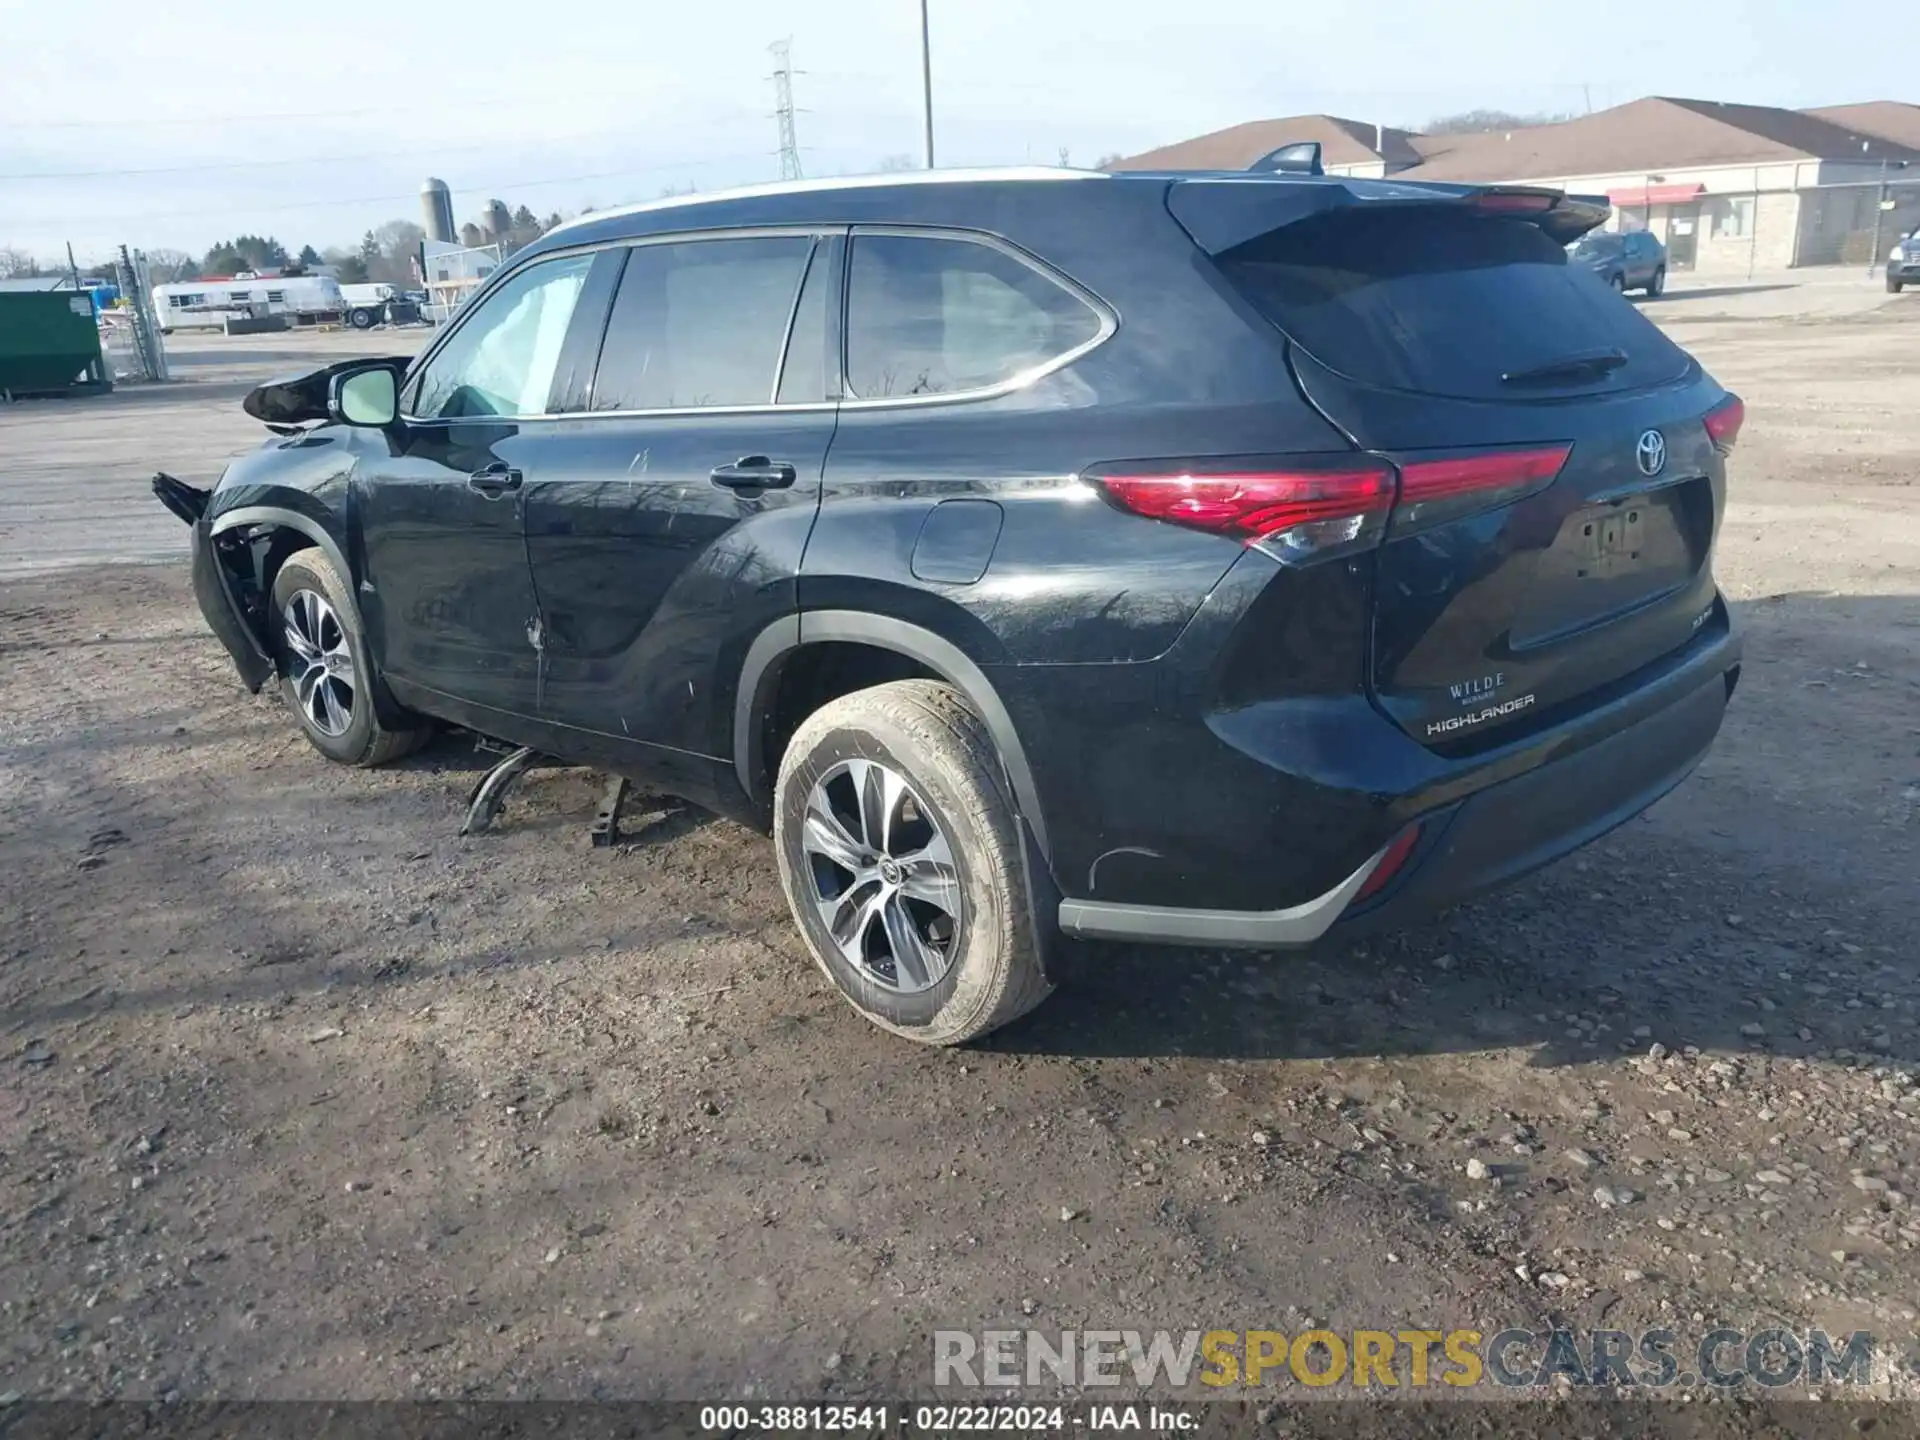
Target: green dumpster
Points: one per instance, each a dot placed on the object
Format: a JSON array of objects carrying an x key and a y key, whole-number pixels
[{"x": 49, "y": 343}]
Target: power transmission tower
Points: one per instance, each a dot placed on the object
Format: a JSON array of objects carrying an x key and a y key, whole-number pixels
[{"x": 783, "y": 108}]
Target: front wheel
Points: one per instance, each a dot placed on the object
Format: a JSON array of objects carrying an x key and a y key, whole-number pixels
[
  {"x": 1619, "y": 283},
  {"x": 1657, "y": 286},
  {"x": 1894, "y": 282},
  {"x": 324, "y": 670},
  {"x": 900, "y": 854}
]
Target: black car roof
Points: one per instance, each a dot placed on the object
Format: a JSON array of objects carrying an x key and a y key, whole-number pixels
[
  {"x": 973, "y": 199},
  {"x": 921, "y": 196}
]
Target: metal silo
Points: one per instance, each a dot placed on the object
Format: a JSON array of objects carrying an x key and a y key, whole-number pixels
[{"x": 436, "y": 211}]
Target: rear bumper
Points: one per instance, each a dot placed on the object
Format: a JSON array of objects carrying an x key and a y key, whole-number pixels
[
  {"x": 1511, "y": 829},
  {"x": 1482, "y": 822}
]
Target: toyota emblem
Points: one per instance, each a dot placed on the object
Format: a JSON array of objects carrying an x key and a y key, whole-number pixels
[{"x": 1651, "y": 453}]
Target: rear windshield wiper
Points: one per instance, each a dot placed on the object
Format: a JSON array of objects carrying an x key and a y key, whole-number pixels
[{"x": 1591, "y": 364}]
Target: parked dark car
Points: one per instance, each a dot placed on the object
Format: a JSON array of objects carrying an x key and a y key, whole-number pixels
[
  {"x": 1903, "y": 263},
  {"x": 1179, "y": 558},
  {"x": 1635, "y": 260}
]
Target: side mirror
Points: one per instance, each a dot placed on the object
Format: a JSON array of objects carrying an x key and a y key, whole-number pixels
[{"x": 369, "y": 397}]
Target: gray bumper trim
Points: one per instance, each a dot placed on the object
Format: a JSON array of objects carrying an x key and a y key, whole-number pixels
[{"x": 1251, "y": 929}]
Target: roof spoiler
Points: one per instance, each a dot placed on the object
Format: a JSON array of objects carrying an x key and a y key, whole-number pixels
[{"x": 1221, "y": 211}]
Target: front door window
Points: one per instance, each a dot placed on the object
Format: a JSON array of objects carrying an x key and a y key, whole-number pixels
[{"x": 501, "y": 361}]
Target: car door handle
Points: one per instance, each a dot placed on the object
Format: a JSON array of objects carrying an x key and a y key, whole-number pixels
[
  {"x": 755, "y": 472},
  {"x": 494, "y": 481}
]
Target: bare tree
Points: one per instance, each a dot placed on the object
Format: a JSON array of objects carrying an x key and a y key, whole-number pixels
[
  {"x": 396, "y": 243},
  {"x": 347, "y": 264},
  {"x": 1483, "y": 122},
  {"x": 166, "y": 265},
  {"x": 17, "y": 264},
  {"x": 1108, "y": 161},
  {"x": 890, "y": 163}
]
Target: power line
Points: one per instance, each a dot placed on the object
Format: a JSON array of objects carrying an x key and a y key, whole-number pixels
[
  {"x": 471, "y": 185},
  {"x": 145, "y": 122},
  {"x": 284, "y": 160}
]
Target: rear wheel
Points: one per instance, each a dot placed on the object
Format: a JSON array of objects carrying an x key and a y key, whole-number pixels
[
  {"x": 360, "y": 318},
  {"x": 900, "y": 855},
  {"x": 1657, "y": 286},
  {"x": 324, "y": 670}
]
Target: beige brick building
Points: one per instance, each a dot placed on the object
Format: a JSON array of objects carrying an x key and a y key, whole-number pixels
[{"x": 1730, "y": 189}]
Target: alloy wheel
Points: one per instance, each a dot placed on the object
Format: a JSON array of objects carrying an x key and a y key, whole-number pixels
[
  {"x": 320, "y": 662},
  {"x": 882, "y": 875}
]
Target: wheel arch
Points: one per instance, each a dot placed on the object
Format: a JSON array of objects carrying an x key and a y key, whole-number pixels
[
  {"x": 284, "y": 519},
  {"x": 317, "y": 535},
  {"x": 784, "y": 638}
]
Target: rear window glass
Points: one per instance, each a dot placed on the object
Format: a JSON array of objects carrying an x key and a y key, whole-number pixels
[{"x": 1444, "y": 303}]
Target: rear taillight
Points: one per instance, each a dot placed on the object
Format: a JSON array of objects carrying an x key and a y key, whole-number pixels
[
  {"x": 1508, "y": 202},
  {"x": 1723, "y": 422},
  {"x": 1300, "y": 511},
  {"x": 1311, "y": 507},
  {"x": 1389, "y": 865},
  {"x": 1446, "y": 487}
]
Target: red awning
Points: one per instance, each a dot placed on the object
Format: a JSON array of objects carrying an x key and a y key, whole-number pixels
[{"x": 1656, "y": 194}]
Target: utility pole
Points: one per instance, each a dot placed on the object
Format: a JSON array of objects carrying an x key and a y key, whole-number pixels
[
  {"x": 783, "y": 107},
  {"x": 1879, "y": 212},
  {"x": 926, "y": 79}
]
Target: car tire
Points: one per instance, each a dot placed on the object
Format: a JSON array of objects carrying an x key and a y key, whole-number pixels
[
  {"x": 1894, "y": 282},
  {"x": 323, "y": 664},
  {"x": 1619, "y": 283},
  {"x": 361, "y": 318},
  {"x": 1657, "y": 286},
  {"x": 892, "y": 825}
]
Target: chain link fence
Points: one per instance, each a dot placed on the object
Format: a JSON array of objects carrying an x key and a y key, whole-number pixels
[{"x": 1737, "y": 232}]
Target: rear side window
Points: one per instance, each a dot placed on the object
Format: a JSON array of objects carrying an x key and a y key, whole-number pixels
[
  {"x": 937, "y": 315},
  {"x": 1442, "y": 301},
  {"x": 700, "y": 323}
]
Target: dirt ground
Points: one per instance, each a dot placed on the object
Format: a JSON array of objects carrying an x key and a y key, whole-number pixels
[{"x": 302, "y": 1095}]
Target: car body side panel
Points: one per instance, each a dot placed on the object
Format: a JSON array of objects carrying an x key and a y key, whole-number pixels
[
  {"x": 446, "y": 592},
  {"x": 304, "y": 475},
  {"x": 1069, "y": 580},
  {"x": 654, "y": 580}
]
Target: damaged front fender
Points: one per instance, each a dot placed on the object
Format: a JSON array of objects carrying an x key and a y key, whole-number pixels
[
  {"x": 213, "y": 581},
  {"x": 213, "y": 588}
]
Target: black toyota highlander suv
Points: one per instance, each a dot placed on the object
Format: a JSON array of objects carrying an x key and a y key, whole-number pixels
[{"x": 1209, "y": 559}]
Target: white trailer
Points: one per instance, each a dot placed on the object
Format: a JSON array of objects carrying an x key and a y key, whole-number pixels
[{"x": 207, "y": 304}]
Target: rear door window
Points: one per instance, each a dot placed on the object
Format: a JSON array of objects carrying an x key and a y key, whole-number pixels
[
  {"x": 700, "y": 324},
  {"x": 1442, "y": 301},
  {"x": 944, "y": 315},
  {"x": 810, "y": 368}
]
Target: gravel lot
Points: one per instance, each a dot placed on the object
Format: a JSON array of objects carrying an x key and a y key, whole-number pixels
[{"x": 302, "y": 1095}]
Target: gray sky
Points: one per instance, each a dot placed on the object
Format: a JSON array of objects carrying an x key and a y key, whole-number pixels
[{"x": 314, "y": 124}]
